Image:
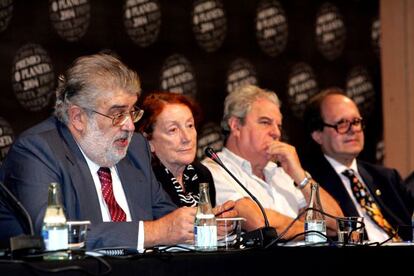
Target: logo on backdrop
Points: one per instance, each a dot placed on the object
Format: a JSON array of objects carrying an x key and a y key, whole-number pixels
[
  {"x": 6, "y": 13},
  {"x": 70, "y": 18},
  {"x": 359, "y": 87},
  {"x": 142, "y": 21},
  {"x": 177, "y": 75},
  {"x": 302, "y": 86},
  {"x": 6, "y": 138},
  {"x": 376, "y": 35},
  {"x": 209, "y": 24},
  {"x": 33, "y": 78},
  {"x": 209, "y": 136},
  {"x": 241, "y": 72},
  {"x": 271, "y": 27},
  {"x": 330, "y": 31}
]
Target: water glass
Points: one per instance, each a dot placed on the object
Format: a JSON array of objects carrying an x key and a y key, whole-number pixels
[
  {"x": 228, "y": 232},
  {"x": 77, "y": 231},
  {"x": 350, "y": 230}
]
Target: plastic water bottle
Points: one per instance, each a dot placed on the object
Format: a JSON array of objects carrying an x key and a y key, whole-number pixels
[
  {"x": 54, "y": 229},
  {"x": 205, "y": 225},
  {"x": 314, "y": 220}
]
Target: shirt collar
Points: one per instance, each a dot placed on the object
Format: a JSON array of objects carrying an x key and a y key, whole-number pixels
[
  {"x": 340, "y": 168},
  {"x": 246, "y": 165},
  {"x": 242, "y": 163}
]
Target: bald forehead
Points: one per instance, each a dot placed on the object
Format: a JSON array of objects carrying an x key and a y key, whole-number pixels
[{"x": 334, "y": 104}]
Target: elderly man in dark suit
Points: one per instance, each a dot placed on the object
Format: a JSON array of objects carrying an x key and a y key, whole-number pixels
[
  {"x": 362, "y": 189},
  {"x": 92, "y": 133}
]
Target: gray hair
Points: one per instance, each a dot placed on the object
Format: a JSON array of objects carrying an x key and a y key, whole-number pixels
[
  {"x": 239, "y": 102},
  {"x": 88, "y": 78}
]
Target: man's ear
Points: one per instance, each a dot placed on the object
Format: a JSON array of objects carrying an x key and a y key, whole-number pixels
[
  {"x": 234, "y": 124},
  {"x": 317, "y": 136},
  {"x": 77, "y": 118}
]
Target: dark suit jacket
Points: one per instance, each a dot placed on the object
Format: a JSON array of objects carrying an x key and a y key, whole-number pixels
[
  {"x": 48, "y": 153},
  {"x": 394, "y": 201}
]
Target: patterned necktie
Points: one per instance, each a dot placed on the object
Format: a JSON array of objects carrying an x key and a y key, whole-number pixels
[
  {"x": 117, "y": 214},
  {"x": 368, "y": 204}
]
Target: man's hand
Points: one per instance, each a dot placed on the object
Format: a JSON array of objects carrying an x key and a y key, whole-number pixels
[
  {"x": 288, "y": 158},
  {"x": 226, "y": 210},
  {"x": 174, "y": 228}
]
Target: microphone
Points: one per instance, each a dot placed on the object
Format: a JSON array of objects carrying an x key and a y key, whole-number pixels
[
  {"x": 20, "y": 243},
  {"x": 262, "y": 236}
]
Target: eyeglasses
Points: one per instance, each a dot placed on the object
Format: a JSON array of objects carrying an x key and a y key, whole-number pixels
[
  {"x": 343, "y": 126},
  {"x": 121, "y": 118}
]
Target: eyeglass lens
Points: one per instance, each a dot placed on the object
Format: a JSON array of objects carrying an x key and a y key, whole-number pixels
[
  {"x": 135, "y": 115},
  {"x": 345, "y": 126}
]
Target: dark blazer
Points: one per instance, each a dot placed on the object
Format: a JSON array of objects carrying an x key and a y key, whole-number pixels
[
  {"x": 385, "y": 185},
  {"x": 48, "y": 153}
]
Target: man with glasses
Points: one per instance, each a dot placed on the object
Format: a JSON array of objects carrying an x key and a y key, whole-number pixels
[
  {"x": 362, "y": 189},
  {"x": 103, "y": 167}
]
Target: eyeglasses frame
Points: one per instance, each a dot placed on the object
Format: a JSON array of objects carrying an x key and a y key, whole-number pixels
[
  {"x": 355, "y": 121},
  {"x": 114, "y": 117}
]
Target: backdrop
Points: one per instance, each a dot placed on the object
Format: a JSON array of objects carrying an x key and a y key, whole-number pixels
[{"x": 202, "y": 48}]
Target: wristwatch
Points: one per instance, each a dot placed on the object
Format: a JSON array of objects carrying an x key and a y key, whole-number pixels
[{"x": 305, "y": 181}]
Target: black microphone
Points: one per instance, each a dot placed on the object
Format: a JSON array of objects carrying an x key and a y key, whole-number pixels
[
  {"x": 27, "y": 242},
  {"x": 262, "y": 236}
]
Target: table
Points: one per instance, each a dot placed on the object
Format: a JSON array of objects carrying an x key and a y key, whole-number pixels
[{"x": 323, "y": 260}]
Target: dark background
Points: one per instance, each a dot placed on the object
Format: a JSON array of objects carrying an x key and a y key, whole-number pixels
[{"x": 25, "y": 23}]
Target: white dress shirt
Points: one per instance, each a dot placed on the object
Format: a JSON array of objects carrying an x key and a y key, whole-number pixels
[
  {"x": 375, "y": 233},
  {"x": 277, "y": 192},
  {"x": 119, "y": 195}
]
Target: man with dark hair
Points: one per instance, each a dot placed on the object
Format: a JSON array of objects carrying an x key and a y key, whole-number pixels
[{"x": 362, "y": 189}]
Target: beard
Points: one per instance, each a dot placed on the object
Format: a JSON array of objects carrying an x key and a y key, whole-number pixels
[{"x": 102, "y": 149}]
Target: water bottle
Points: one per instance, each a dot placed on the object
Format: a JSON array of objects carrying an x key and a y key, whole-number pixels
[
  {"x": 205, "y": 225},
  {"x": 314, "y": 220},
  {"x": 54, "y": 228}
]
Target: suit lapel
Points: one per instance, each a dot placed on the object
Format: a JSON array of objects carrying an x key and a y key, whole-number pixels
[
  {"x": 336, "y": 188},
  {"x": 372, "y": 186},
  {"x": 83, "y": 194},
  {"x": 130, "y": 183},
  {"x": 376, "y": 192}
]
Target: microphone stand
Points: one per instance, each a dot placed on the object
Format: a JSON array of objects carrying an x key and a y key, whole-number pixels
[
  {"x": 261, "y": 236},
  {"x": 24, "y": 243}
]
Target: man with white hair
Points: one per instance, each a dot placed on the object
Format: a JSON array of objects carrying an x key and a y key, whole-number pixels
[{"x": 253, "y": 121}]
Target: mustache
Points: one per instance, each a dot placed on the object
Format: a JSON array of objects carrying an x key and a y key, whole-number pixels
[{"x": 124, "y": 135}]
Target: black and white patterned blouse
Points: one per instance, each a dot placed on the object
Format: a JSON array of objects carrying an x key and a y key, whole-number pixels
[{"x": 194, "y": 174}]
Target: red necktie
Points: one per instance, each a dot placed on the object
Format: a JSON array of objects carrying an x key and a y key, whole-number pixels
[
  {"x": 117, "y": 214},
  {"x": 368, "y": 204}
]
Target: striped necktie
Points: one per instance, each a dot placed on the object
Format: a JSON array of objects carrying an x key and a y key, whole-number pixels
[{"x": 117, "y": 214}]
